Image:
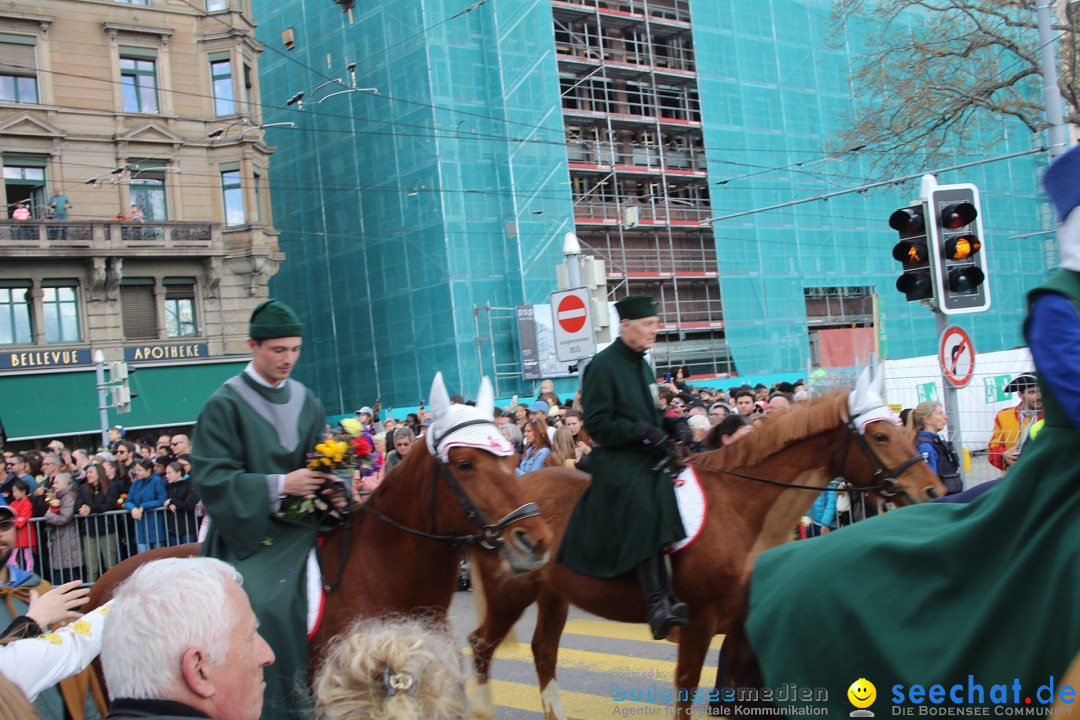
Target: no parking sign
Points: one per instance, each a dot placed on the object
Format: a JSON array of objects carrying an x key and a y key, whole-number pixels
[{"x": 956, "y": 355}]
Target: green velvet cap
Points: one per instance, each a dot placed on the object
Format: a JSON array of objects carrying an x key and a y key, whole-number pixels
[
  {"x": 274, "y": 319},
  {"x": 636, "y": 307}
]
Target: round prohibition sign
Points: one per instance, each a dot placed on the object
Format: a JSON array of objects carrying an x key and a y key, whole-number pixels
[
  {"x": 571, "y": 314},
  {"x": 956, "y": 355}
]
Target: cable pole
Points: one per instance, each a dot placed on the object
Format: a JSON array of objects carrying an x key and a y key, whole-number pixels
[{"x": 1051, "y": 92}]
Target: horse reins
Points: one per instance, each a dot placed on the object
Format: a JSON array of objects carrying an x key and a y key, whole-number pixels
[{"x": 887, "y": 485}]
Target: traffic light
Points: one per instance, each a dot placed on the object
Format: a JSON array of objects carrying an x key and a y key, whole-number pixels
[
  {"x": 913, "y": 252},
  {"x": 121, "y": 395},
  {"x": 957, "y": 239}
]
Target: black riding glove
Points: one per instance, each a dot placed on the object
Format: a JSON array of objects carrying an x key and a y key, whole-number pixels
[
  {"x": 679, "y": 429},
  {"x": 649, "y": 435}
]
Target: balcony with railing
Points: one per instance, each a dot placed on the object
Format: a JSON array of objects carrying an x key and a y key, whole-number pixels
[
  {"x": 675, "y": 11},
  {"x": 31, "y": 238},
  {"x": 636, "y": 158},
  {"x": 632, "y": 214}
]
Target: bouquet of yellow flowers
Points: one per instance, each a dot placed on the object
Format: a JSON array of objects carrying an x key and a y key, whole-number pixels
[{"x": 344, "y": 452}]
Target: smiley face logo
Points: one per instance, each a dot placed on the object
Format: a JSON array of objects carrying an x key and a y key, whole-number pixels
[{"x": 862, "y": 694}]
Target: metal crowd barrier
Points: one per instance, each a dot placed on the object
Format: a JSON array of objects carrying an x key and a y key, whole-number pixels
[{"x": 98, "y": 542}]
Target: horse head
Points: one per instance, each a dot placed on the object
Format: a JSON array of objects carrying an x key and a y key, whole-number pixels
[
  {"x": 478, "y": 463},
  {"x": 887, "y": 453}
]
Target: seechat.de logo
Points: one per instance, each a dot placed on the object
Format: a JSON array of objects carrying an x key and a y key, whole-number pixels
[{"x": 862, "y": 694}]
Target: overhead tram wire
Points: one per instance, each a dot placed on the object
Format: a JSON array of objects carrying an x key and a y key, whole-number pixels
[{"x": 870, "y": 186}]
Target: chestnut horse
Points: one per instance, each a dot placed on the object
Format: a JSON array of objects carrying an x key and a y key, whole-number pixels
[
  {"x": 400, "y": 551},
  {"x": 757, "y": 490}
]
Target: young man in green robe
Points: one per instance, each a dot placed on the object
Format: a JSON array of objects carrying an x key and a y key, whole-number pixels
[
  {"x": 250, "y": 452},
  {"x": 628, "y": 514}
]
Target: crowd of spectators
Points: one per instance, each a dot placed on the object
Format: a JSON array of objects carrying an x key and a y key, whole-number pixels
[{"x": 80, "y": 511}]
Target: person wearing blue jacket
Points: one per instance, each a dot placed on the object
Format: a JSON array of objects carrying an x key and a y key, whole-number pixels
[
  {"x": 823, "y": 511},
  {"x": 537, "y": 447},
  {"x": 147, "y": 493}
]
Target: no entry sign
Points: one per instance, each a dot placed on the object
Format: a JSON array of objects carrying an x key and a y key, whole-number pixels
[
  {"x": 956, "y": 353},
  {"x": 571, "y": 314},
  {"x": 572, "y": 325}
]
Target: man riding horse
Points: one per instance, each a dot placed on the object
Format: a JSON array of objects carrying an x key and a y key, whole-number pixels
[
  {"x": 628, "y": 514},
  {"x": 250, "y": 452}
]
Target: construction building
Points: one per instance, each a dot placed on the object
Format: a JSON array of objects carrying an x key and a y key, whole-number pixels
[{"x": 443, "y": 149}]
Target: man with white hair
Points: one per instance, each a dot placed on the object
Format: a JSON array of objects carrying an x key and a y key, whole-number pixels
[{"x": 181, "y": 642}]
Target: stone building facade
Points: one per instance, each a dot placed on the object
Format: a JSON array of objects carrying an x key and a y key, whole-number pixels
[{"x": 130, "y": 132}]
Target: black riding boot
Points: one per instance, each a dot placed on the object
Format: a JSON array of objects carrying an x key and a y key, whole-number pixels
[{"x": 665, "y": 610}]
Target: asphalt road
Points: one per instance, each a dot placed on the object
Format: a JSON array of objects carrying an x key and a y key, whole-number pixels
[{"x": 597, "y": 660}]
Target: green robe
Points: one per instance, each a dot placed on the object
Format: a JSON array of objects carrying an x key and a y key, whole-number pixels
[
  {"x": 234, "y": 449},
  {"x": 933, "y": 594},
  {"x": 628, "y": 513}
]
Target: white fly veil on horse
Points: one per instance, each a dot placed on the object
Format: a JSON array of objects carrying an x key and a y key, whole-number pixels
[
  {"x": 463, "y": 425},
  {"x": 865, "y": 403}
]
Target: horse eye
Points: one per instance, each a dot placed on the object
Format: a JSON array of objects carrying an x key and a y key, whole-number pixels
[
  {"x": 881, "y": 437},
  {"x": 465, "y": 465}
]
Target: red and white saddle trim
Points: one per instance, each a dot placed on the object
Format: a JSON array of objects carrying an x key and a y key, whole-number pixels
[{"x": 693, "y": 507}]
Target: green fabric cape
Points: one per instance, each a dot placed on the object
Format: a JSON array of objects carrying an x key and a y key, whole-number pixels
[
  {"x": 628, "y": 513},
  {"x": 937, "y": 593},
  {"x": 234, "y": 450}
]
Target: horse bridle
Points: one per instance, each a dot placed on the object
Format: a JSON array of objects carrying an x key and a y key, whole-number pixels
[
  {"x": 887, "y": 486},
  {"x": 490, "y": 535}
]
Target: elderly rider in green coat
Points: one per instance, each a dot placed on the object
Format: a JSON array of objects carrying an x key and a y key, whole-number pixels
[
  {"x": 629, "y": 514},
  {"x": 250, "y": 454}
]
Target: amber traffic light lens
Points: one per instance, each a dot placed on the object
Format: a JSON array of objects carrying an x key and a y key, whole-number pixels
[{"x": 962, "y": 248}]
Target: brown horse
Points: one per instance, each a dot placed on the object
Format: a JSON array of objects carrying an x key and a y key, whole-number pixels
[
  {"x": 405, "y": 543},
  {"x": 804, "y": 448}
]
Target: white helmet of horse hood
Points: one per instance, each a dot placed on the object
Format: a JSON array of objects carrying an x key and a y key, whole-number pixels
[
  {"x": 475, "y": 426},
  {"x": 865, "y": 403}
]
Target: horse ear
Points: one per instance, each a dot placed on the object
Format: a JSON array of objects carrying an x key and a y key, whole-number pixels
[
  {"x": 485, "y": 399},
  {"x": 858, "y": 396},
  {"x": 867, "y": 392},
  {"x": 438, "y": 398}
]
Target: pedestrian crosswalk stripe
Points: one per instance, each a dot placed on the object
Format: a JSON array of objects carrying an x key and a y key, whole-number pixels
[
  {"x": 644, "y": 670},
  {"x": 579, "y": 706},
  {"x": 620, "y": 631}
]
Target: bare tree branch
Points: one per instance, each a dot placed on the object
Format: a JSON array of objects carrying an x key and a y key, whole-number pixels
[{"x": 940, "y": 73}]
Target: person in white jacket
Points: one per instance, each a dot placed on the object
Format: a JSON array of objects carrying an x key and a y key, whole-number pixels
[{"x": 37, "y": 663}]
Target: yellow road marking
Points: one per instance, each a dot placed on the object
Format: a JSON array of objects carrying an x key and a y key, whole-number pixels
[
  {"x": 579, "y": 706},
  {"x": 621, "y": 631},
  {"x": 636, "y": 672}
]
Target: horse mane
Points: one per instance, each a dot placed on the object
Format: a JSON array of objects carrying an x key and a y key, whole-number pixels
[{"x": 776, "y": 433}]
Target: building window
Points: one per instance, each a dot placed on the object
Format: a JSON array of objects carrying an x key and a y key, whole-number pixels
[
  {"x": 249, "y": 83},
  {"x": 148, "y": 192},
  {"x": 15, "y": 315},
  {"x": 138, "y": 78},
  {"x": 257, "y": 183},
  {"x": 180, "y": 308},
  {"x": 232, "y": 193},
  {"x": 60, "y": 307},
  {"x": 217, "y": 5},
  {"x": 221, "y": 77},
  {"x": 24, "y": 181},
  {"x": 139, "y": 309},
  {"x": 18, "y": 69}
]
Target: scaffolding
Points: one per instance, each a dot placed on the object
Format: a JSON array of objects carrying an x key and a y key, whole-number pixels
[{"x": 628, "y": 83}]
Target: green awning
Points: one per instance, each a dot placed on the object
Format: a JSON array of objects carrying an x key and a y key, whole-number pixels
[{"x": 41, "y": 405}]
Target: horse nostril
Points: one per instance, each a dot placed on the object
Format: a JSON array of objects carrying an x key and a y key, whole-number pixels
[
  {"x": 931, "y": 493},
  {"x": 524, "y": 541}
]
